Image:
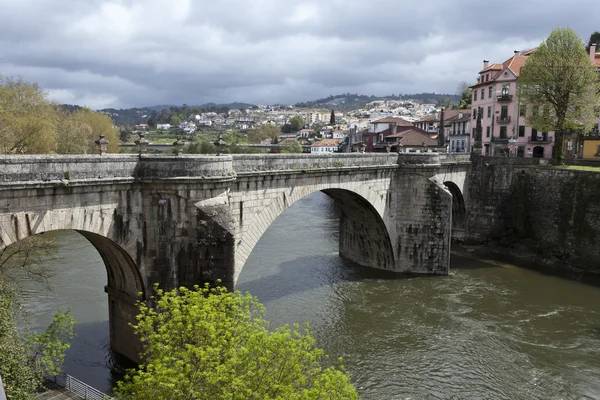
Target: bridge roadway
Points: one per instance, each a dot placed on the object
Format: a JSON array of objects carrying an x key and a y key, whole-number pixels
[{"x": 184, "y": 220}]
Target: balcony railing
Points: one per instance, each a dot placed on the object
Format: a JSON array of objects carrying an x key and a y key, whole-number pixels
[
  {"x": 501, "y": 139},
  {"x": 504, "y": 98},
  {"x": 503, "y": 120},
  {"x": 539, "y": 139}
]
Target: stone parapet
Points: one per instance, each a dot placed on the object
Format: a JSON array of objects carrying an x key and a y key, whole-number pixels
[
  {"x": 43, "y": 168},
  {"x": 269, "y": 162}
]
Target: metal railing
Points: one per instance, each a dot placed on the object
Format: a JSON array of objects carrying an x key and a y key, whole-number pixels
[
  {"x": 504, "y": 97},
  {"x": 80, "y": 388},
  {"x": 503, "y": 120}
]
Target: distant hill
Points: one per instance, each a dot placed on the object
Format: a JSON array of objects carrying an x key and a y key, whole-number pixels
[
  {"x": 140, "y": 115},
  {"x": 348, "y": 101}
]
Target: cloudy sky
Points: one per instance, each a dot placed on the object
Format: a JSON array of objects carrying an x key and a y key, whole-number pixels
[{"x": 126, "y": 53}]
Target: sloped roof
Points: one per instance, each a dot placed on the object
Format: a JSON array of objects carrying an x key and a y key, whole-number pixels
[
  {"x": 448, "y": 115},
  {"x": 327, "y": 143},
  {"x": 414, "y": 137},
  {"x": 515, "y": 63},
  {"x": 398, "y": 121}
]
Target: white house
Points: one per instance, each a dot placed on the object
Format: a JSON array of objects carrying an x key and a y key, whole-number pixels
[
  {"x": 163, "y": 127},
  {"x": 325, "y": 146}
]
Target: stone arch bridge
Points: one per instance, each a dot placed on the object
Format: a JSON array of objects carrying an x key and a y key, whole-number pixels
[{"x": 184, "y": 220}]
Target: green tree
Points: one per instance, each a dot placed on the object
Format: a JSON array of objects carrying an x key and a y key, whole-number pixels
[
  {"x": 594, "y": 38},
  {"x": 78, "y": 131},
  {"x": 27, "y": 118},
  {"x": 559, "y": 79},
  {"x": 332, "y": 117},
  {"x": 296, "y": 123},
  {"x": 466, "y": 96},
  {"x": 292, "y": 146},
  {"x": 26, "y": 356},
  {"x": 208, "y": 343}
]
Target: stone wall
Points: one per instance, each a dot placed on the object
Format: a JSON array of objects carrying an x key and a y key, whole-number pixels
[
  {"x": 124, "y": 166},
  {"x": 554, "y": 212},
  {"x": 283, "y": 162}
]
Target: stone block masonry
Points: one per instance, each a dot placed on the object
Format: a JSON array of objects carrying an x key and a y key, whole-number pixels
[
  {"x": 553, "y": 211},
  {"x": 185, "y": 220}
]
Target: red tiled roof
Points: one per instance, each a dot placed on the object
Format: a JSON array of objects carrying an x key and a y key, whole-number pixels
[
  {"x": 493, "y": 67},
  {"x": 398, "y": 121},
  {"x": 515, "y": 63},
  {"x": 327, "y": 143},
  {"x": 414, "y": 137}
]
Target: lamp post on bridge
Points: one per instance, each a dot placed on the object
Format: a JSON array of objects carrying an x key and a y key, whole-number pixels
[
  {"x": 142, "y": 143},
  {"x": 219, "y": 143},
  {"x": 102, "y": 144}
]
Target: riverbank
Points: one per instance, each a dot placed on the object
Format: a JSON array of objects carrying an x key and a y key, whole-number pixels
[{"x": 527, "y": 258}]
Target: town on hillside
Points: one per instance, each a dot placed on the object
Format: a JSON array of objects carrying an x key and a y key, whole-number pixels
[{"x": 381, "y": 125}]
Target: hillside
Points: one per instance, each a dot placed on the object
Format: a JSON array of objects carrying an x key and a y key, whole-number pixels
[{"x": 348, "y": 101}]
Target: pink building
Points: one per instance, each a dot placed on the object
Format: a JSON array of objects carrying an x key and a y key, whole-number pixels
[{"x": 503, "y": 119}]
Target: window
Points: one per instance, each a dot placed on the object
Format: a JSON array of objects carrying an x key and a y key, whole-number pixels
[
  {"x": 503, "y": 132},
  {"x": 505, "y": 90},
  {"x": 474, "y": 114},
  {"x": 374, "y": 140},
  {"x": 489, "y": 112},
  {"x": 474, "y": 95},
  {"x": 482, "y": 93},
  {"x": 536, "y": 110},
  {"x": 522, "y": 131},
  {"x": 522, "y": 110},
  {"x": 533, "y": 134},
  {"x": 504, "y": 112},
  {"x": 490, "y": 92},
  {"x": 487, "y": 132}
]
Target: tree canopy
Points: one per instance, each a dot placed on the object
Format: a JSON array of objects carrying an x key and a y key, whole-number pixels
[
  {"x": 30, "y": 123},
  {"x": 26, "y": 355},
  {"x": 208, "y": 343},
  {"x": 561, "y": 86},
  {"x": 594, "y": 38}
]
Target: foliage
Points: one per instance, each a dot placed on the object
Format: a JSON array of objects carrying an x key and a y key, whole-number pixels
[
  {"x": 466, "y": 96},
  {"x": 447, "y": 103},
  {"x": 292, "y": 146},
  {"x": 29, "y": 257},
  {"x": 348, "y": 101},
  {"x": 594, "y": 38},
  {"x": 25, "y": 359},
  {"x": 294, "y": 124},
  {"x": 27, "y": 118},
  {"x": 48, "y": 348},
  {"x": 31, "y": 124},
  {"x": 78, "y": 131},
  {"x": 263, "y": 132},
  {"x": 332, "y": 117},
  {"x": 561, "y": 86},
  {"x": 208, "y": 343}
]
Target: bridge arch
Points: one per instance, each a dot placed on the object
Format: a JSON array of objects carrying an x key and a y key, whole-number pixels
[
  {"x": 125, "y": 284},
  {"x": 364, "y": 222},
  {"x": 459, "y": 211}
]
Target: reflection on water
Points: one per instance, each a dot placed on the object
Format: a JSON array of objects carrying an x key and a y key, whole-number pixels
[{"x": 488, "y": 330}]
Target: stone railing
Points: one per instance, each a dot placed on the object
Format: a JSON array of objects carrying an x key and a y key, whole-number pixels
[
  {"x": 286, "y": 162},
  {"x": 28, "y": 168}
]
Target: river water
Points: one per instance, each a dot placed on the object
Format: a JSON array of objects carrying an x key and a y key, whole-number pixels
[{"x": 486, "y": 331}]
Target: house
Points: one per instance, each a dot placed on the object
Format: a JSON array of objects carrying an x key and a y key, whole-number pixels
[
  {"x": 163, "y": 127},
  {"x": 591, "y": 146},
  {"x": 325, "y": 146},
  {"x": 305, "y": 132},
  {"x": 338, "y": 134},
  {"x": 503, "y": 116},
  {"x": 412, "y": 140},
  {"x": 457, "y": 130},
  {"x": 381, "y": 128},
  {"x": 141, "y": 127}
]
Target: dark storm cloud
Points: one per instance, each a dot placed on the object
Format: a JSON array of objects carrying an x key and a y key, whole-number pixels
[{"x": 125, "y": 53}]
